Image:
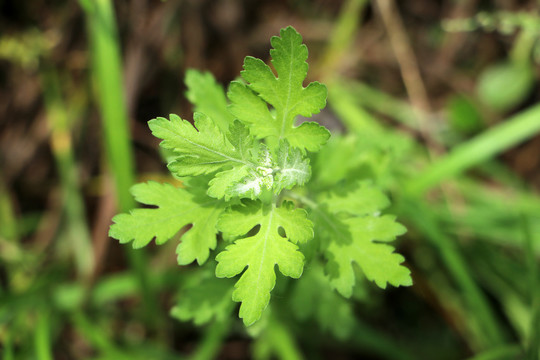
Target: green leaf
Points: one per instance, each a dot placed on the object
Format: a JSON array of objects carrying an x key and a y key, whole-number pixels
[
  {"x": 198, "y": 152},
  {"x": 331, "y": 311},
  {"x": 203, "y": 299},
  {"x": 505, "y": 85},
  {"x": 261, "y": 252},
  {"x": 352, "y": 231},
  {"x": 463, "y": 115},
  {"x": 285, "y": 93},
  {"x": 243, "y": 165},
  {"x": 293, "y": 169},
  {"x": 208, "y": 97},
  {"x": 329, "y": 227},
  {"x": 243, "y": 180},
  {"x": 220, "y": 186},
  {"x": 176, "y": 208},
  {"x": 335, "y": 161},
  {"x": 242, "y": 141},
  {"x": 378, "y": 261},
  {"x": 364, "y": 199}
]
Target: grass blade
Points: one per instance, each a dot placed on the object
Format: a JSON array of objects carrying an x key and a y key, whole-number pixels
[
  {"x": 108, "y": 78},
  {"x": 533, "y": 348},
  {"x": 486, "y": 145},
  {"x": 484, "y": 323},
  {"x": 42, "y": 339}
]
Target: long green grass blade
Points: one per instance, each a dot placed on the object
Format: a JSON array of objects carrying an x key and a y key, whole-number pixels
[
  {"x": 8, "y": 352},
  {"x": 342, "y": 37},
  {"x": 378, "y": 101},
  {"x": 483, "y": 321},
  {"x": 511, "y": 132},
  {"x": 507, "y": 352},
  {"x": 8, "y": 221},
  {"x": 108, "y": 80},
  {"x": 42, "y": 337},
  {"x": 533, "y": 346}
]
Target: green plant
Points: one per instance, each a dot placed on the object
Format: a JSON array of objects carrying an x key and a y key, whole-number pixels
[{"x": 246, "y": 170}]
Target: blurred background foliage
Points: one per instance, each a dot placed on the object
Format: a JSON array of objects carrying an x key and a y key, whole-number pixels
[{"x": 435, "y": 101}]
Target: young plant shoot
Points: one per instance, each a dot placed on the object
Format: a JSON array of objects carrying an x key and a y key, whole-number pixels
[{"x": 246, "y": 173}]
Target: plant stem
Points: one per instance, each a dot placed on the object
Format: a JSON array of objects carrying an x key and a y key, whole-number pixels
[
  {"x": 213, "y": 339},
  {"x": 282, "y": 341},
  {"x": 96, "y": 337},
  {"x": 523, "y": 45}
]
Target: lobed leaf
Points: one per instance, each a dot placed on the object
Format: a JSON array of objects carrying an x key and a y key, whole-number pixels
[
  {"x": 378, "y": 261},
  {"x": 204, "y": 300},
  {"x": 176, "y": 208},
  {"x": 261, "y": 252},
  {"x": 285, "y": 93},
  {"x": 243, "y": 166},
  {"x": 352, "y": 231},
  {"x": 330, "y": 310},
  {"x": 208, "y": 97},
  {"x": 198, "y": 152},
  {"x": 238, "y": 164},
  {"x": 293, "y": 169},
  {"x": 362, "y": 200}
]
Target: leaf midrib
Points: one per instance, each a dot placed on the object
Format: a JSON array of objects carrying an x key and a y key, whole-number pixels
[
  {"x": 206, "y": 148},
  {"x": 264, "y": 239},
  {"x": 289, "y": 90}
]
